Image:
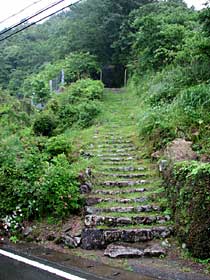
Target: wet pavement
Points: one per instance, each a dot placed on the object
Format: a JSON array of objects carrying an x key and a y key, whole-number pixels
[{"x": 86, "y": 269}]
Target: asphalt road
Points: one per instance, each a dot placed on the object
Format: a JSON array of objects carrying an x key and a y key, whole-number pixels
[{"x": 11, "y": 269}]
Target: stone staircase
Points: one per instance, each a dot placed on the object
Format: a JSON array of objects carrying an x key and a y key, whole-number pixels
[{"x": 124, "y": 214}]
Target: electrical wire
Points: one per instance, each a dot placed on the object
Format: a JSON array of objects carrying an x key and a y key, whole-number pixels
[
  {"x": 33, "y": 23},
  {"x": 30, "y": 17},
  {"x": 21, "y": 11}
]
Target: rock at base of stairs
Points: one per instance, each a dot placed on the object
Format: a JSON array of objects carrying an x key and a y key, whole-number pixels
[{"x": 119, "y": 251}]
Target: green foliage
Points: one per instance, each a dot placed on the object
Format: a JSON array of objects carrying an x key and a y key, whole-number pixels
[
  {"x": 158, "y": 34},
  {"x": 44, "y": 124},
  {"x": 80, "y": 65},
  {"x": 155, "y": 127},
  {"x": 58, "y": 145},
  {"x": 58, "y": 188},
  {"x": 78, "y": 104},
  {"x": 197, "y": 97}
]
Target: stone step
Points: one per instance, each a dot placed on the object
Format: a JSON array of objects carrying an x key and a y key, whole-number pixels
[
  {"x": 95, "y": 220},
  {"x": 113, "y": 163},
  {"x": 122, "y": 184},
  {"x": 118, "y": 175},
  {"x": 118, "y": 159},
  {"x": 120, "y": 209},
  {"x": 120, "y": 141},
  {"x": 116, "y": 146},
  {"x": 90, "y": 201},
  {"x": 125, "y": 169},
  {"x": 101, "y": 238},
  {"x": 116, "y": 192},
  {"x": 114, "y": 155},
  {"x": 122, "y": 251},
  {"x": 115, "y": 150},
  {"x": 115, "y": 137}
]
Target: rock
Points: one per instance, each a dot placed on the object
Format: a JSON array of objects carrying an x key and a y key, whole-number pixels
[
  {"x": 27, "y": 231},
  {"x": 69, "y": 241},
  {"x": 93, "y": 200},
  {"x": 179, "y": 150},
  {"x": 51, "y": 237},
  {"x": 165, "y": 244},
  {"x": 162, "y": 165},
  {"x": 154, "y": 251},
  {"x": 156, "y": 155},
  {"x": 118, "y": 251},
  {"x": 88, "y": 172},
  {"x": 85, "y": 188},
  {"x": 92, "y": 239}
]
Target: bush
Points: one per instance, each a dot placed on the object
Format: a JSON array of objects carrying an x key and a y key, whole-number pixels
[
  {"x": 80, "y": 65},
  {"x": 87, "y": 113},
  {"x": 58, "y": 188},
  {"x": 196, "y": 97},
  {"x": 38, "y": 187},
  {"x": 83, "y": 89},
  {"x": 166, "y": 85},
  {"x": 58, "y": 145},
  {"x": 154, "y": 125},
  {"x": 44, "y": 124},
  {"x": 78, "y": 105}
]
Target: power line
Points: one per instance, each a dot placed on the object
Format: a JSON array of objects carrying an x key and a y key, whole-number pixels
[
  {"x": 33, "y": 23},
  {"x": 21, "y": 11},
  {"x": 30, "y": 17}
]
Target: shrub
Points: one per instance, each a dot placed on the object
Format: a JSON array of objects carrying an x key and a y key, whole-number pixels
[
  {"x": 196, "y": 97},
  {"x": 166, "y": 85},
  {"x": 87, "y": 113},
  {"x": 44, "y": 124},
  {"x": 58, "y": 145},
  {"x": 58, "y": 188},
  {"x": 78, "y": 105},
  {"x": 83, "y": 89},
  {"x": 154, "y": 125},
  {"x": 38, "y": 187},
  {"x": 80, "y": 65}
]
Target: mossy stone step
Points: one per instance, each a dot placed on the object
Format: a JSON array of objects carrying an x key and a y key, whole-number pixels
[
  {"x": 124, "y": 169},
  {"x": 112, "y": 150},
  {"x": 90, "y": 201},
  {"x": 114, "y": 155},
  {"x": 116, "y": 192},
  {"x": 101, "y": 238},
  {"x": 111, "y": 142},
  {"x": 95, "y": 220},
  {"x": 118, "y": 175},
  {"x": 118, "y": 159},
  {"x": 117, "y": 146},
  {"x": 122, "y": 184},
  {"x": 120, "y": 209}
]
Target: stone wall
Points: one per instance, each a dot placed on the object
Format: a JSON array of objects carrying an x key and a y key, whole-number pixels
[{"x": 187, "y": 186}]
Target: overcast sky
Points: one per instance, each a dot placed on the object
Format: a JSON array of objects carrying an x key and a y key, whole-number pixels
[{"x": 11, "y": 7}]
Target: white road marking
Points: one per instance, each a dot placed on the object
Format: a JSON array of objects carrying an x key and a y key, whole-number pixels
[{"x": 41, "y": 266}]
